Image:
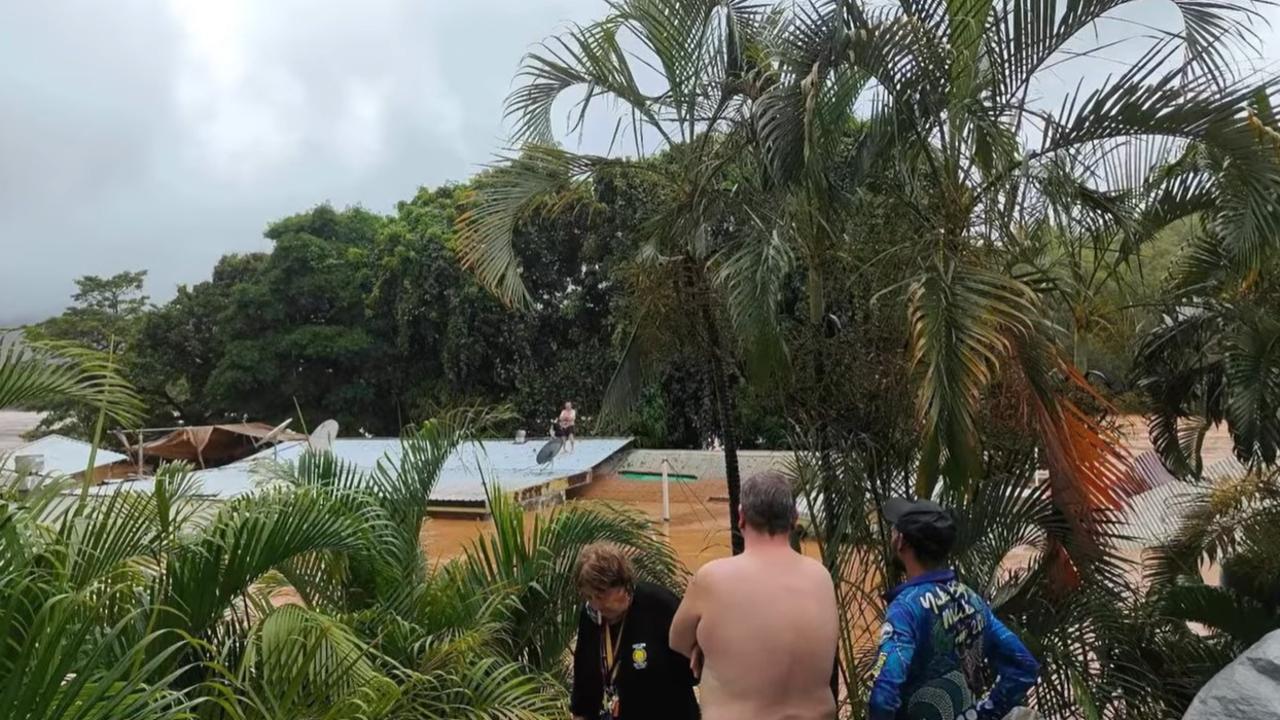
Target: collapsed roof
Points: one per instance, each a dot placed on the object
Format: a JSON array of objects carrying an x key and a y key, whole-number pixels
[{"x": 214, "y": 445}]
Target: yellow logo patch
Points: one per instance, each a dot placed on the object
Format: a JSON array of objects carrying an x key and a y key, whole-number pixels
[{"x": 639, "y": 656}]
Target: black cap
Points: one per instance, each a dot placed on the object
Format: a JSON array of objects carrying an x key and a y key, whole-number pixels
[{"x": 926, "y": 525}]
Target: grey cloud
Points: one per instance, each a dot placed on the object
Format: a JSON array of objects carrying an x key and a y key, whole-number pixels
[{"x": 161, "y": 134}]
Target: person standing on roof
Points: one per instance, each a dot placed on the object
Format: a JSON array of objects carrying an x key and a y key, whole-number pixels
[
  {"x": 565, "y": 425},
  {"x": 938, "y": 632}
]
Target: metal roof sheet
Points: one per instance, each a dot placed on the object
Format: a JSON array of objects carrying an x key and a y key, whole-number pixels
[
  {"x": 62, "y": 455},
  {"x": 496, "y": 461},
  {"x": 1152, "y": 517}
]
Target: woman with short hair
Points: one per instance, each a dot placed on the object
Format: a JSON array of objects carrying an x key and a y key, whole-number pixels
[{"x": 623, "y": 667}]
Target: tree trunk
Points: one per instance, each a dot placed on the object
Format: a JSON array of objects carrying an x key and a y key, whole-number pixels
[{"x": 721, "y": 385}]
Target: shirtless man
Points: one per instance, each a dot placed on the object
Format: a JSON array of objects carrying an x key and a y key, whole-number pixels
[
  {"x": 764, "y": 622},
  {"x": 565, "y": 423}
]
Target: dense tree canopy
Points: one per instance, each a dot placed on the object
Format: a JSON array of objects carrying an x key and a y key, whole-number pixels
[
  {"x": 105, "y": 316},
  {"x": 371, "y": 320}
]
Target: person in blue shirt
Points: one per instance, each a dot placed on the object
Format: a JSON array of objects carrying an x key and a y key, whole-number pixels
[{"x": 940, "y": 640}]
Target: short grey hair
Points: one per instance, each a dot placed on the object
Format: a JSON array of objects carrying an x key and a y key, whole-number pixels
[{"x": 767, "y": 503}]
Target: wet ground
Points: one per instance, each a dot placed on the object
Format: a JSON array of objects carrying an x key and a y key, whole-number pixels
[{"x": 698, "y": 529}]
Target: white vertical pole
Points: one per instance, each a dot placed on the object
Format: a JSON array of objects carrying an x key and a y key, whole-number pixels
[{"x": 666, "y": 493}]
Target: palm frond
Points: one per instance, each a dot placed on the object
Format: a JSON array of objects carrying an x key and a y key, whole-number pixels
[
  {"x": 962, "y": 319},
  {"x": 488, "y": 688},
  {"x": 116, "y": 529},
  {"x": 298, "y": 663},
  {"x": 61, "y": 664},
  {"x": 538, "y": 565},
  {"x": 753, "y": 277},
  {"x": 35, "y": 373},
  {"x": 405, "y": 483},
  {"x": 630, "y": 378},
  {"x": 1217, "y": 524},
  {"x": 503, "y": 197},
  {"x": 590, "y": 56},
  {"x": 249, "y": 536},
  {"x": 1218, "y": 34},
  {"x": 803, "y": 116},
  {"x": 1150, "y": 100},
  {"x": 1251, "y": 370},
  {"x": 1221, "y": 609}
]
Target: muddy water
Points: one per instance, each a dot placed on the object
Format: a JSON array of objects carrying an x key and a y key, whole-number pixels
[{"x": 698, "y": 530}]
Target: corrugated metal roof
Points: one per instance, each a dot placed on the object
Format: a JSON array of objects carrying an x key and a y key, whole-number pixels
[
  {"x": 1153, "y": 516},
  {"x": 1151, "y": 471},
  {"x": 62, "y": 455},
  {"x": 497, "y": 461}
]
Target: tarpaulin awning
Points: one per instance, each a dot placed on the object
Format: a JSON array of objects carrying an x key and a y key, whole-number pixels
[{"x": 213, "y": 445}]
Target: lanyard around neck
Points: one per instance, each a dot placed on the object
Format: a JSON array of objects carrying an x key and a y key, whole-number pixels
[{"x": 611, "y": 648}]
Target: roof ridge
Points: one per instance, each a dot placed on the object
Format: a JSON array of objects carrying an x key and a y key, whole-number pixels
[{"x": 66, "y": 438}]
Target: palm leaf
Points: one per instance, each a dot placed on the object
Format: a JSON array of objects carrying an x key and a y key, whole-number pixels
[
  {"x": 504, "y": 196},
  {"x": 1222, "y": 610},
  {"x": 1252, "y": 372},
  {"x": 632, "y": 375},
  {"x": 753, "y": 277},
  {"x": 298, "y": 663},
  {"x": 488, "y": 688},
  {"x": 538, "y": 565},
  {"x": 962, "y": 319},
  {"x": 251, "y": 535},
  {"x": 35, "y": 373},
  {"x": 59, "y": 663}
]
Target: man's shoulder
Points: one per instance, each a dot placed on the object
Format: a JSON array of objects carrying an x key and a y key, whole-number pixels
[
  {"x": 814, "y": 566},
  {"x": 915, "y": 599},
  {"x": 909, "y": 600},
  {"x": 716, "y": 569},
  {"x": 974, "y": 598}
]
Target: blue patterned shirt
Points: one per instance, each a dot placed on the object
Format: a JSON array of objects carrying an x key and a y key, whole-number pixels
[{"x": 936, "y": 637}]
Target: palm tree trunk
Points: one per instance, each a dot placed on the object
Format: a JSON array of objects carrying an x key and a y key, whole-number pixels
[{"x": 725, "y": 410}]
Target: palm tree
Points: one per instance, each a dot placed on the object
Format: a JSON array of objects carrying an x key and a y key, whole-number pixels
[
  {"x": 162, "y": 605},
  {"x": 690, "y": 281},
  {"x": 1106, "y": 650},
  {"x": 992, "y": 176},
  {"x": 1210, "y": 357},
  {"x": 983, "y": 166},
  {"x": 989, "y": 173},
  {"x": 949, "y": 86}
]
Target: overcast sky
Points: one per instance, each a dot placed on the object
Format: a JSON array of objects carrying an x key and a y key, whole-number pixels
[{"x": 161, "y": 134}]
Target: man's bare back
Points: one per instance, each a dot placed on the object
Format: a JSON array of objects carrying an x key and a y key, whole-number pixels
[{"x": 766, "y": 624}]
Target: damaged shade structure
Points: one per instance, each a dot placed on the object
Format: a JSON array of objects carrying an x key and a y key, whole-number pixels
[
  {"x": 461, "y": 486},
  {"x": 213, "y": 445}
]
